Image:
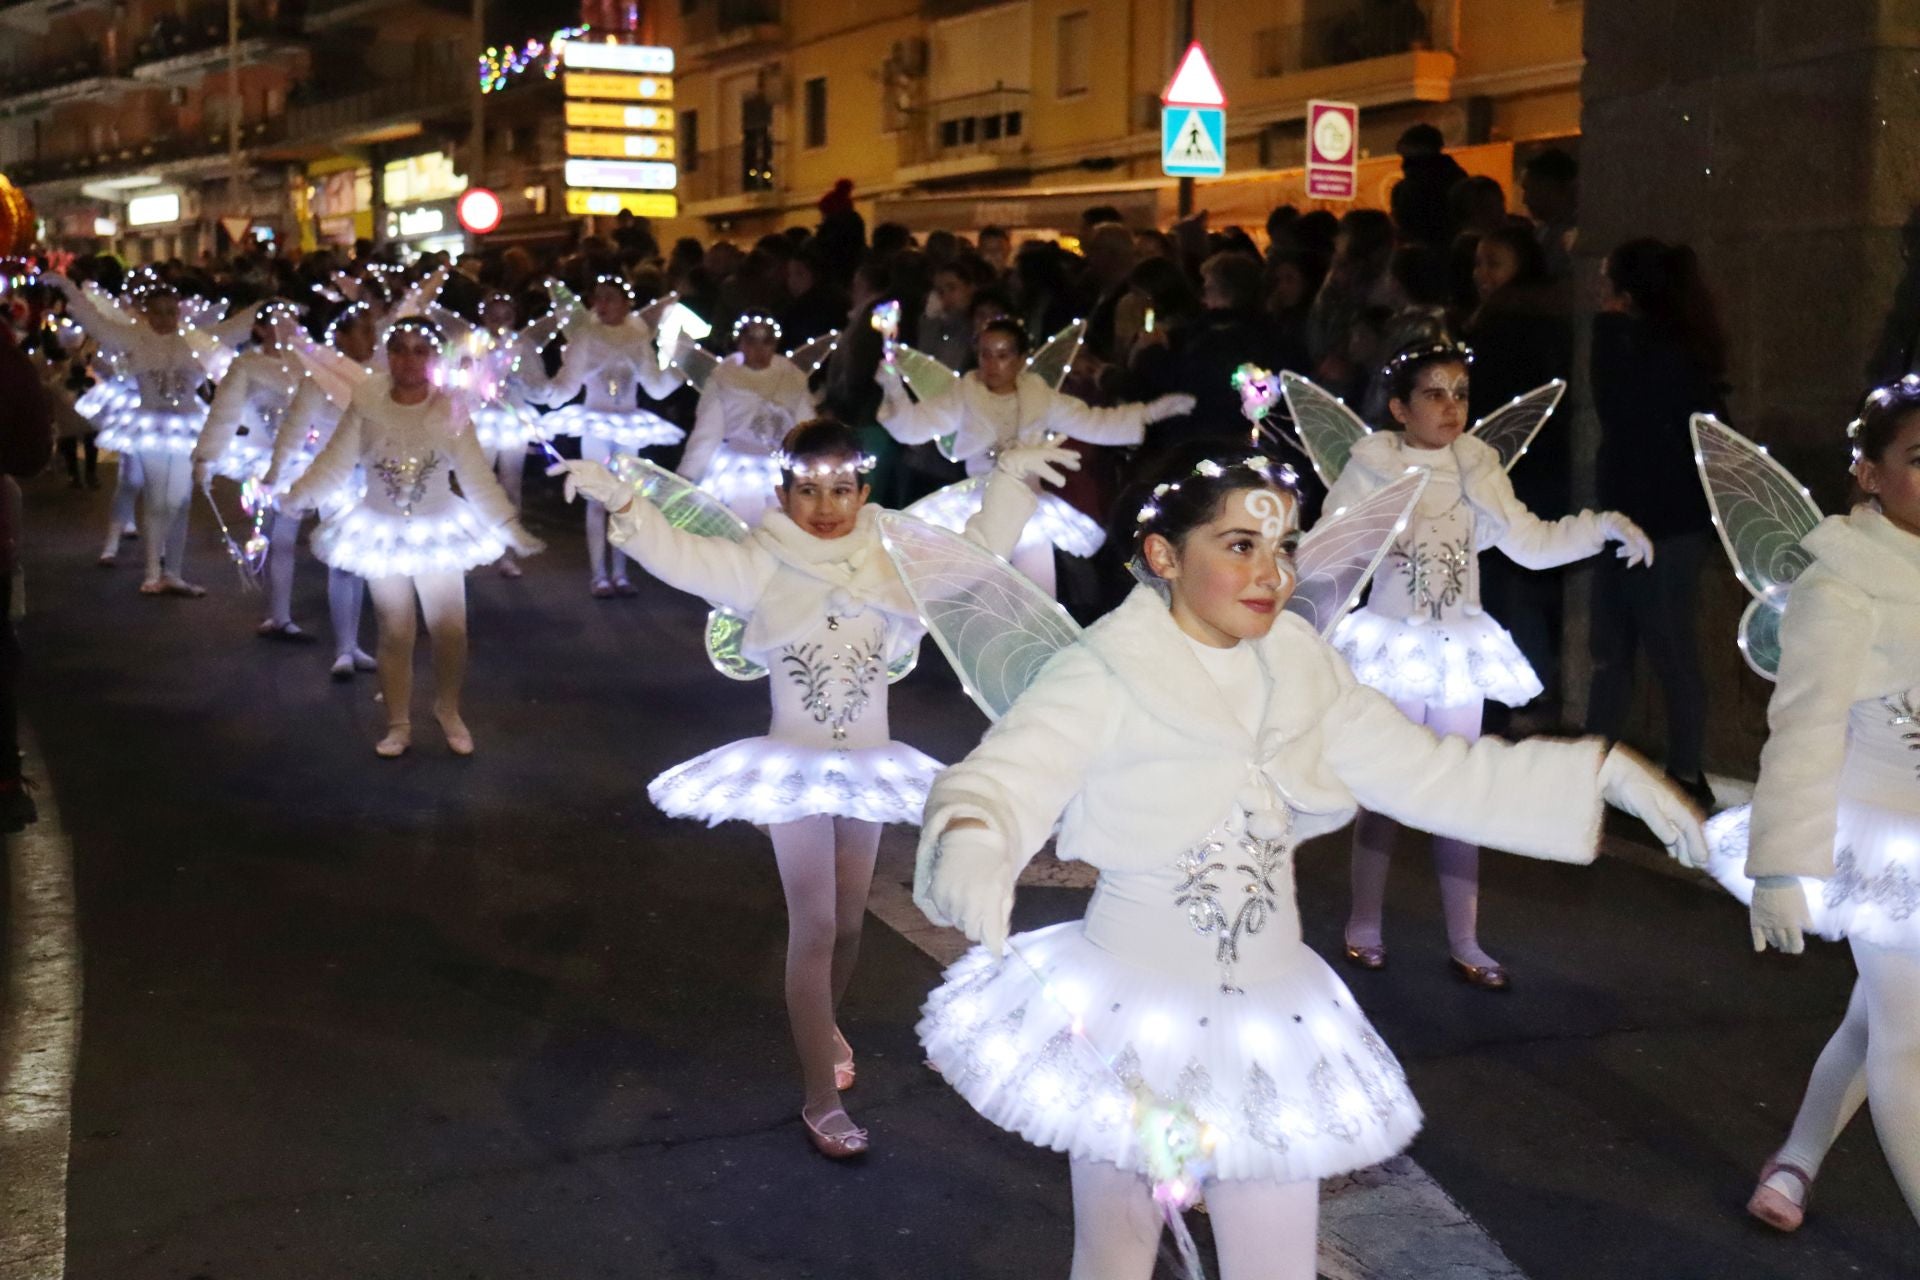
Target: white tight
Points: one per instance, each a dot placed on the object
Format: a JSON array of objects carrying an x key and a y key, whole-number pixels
[
  {"x": 510, "y": 464},
  {"x": 602, "y": 561},
  {"x": 443, "y": 602},
  {"x": 826, "y": 869},
  {"x": 283, "y": 538},
  {"x": 1456, "y": 862},
  {"x": 1834, "y": 1092},
  {"x": 126, "y": 499},
  {"x": 346, "y": 594},
  {"x": 164, "y": 501},
  {"x": 1035, "y": 559},
  {"x": 1262, "y": 1230}
]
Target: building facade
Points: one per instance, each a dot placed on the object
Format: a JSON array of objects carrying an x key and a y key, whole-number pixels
[{"x": 946, "y": 113}]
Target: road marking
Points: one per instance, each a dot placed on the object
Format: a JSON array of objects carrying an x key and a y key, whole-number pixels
[
  {"x": 1388, "y": 1222},
  {"x": 39, "y": 1037}
]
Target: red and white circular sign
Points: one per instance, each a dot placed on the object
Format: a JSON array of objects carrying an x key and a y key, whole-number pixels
[{"x": 478, "y": 210}]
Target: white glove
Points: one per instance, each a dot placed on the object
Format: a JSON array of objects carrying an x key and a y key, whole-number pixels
[
  {"x": 1626, "y": 782},
  {"x": 593, "y": 482},
  {"x": 1048, "y": 462},
  {"x": 1171, "y": 406},
  {"x": 970, "y": 886},
  {"x": 519, "y": 541},
  {"x": 1779, "y": 916},
  {"x": 1635, "y": 546}
]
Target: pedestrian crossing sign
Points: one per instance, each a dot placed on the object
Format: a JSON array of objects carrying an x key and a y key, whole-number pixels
[{"x": 1193, "y": 142}]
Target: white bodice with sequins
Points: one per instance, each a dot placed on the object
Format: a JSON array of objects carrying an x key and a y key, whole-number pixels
[
  {"x": 1883, "y": 753},
  {"x": 829, "y": 689},
  {"x": 1432, "y": 573},
  {"x": 409, "y": 473}
]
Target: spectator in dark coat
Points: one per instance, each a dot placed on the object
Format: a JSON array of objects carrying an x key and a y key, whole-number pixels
[
  {"x": 1199, "y": 358},
  {"x": 818, "y": 306},
  {"x": 1422, "y": 199},
  {"x": 26, "y": 447}
]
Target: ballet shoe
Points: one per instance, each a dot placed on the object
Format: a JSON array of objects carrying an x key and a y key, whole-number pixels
[
  {"x": 601, "y": 589},
  {"x": 342, "y": 668},
  {"x": 364, "y": 661},
  {"x": 291, "y": 632},
  {"x": 399, "y": 738},
  {"x": 1488, "y": 977},
  {"x": 153, "y": 587},
  {"x": 459, "y": 738},
  {"x": 1371, "y": 957},
  {"x": 174, "y": 585},
  {"x": 108, "y": 560},
  {"x": 844, "y": 1071},
  {"x": 840, "y": 1145},
  {"x": 1775, "y": 1207},
  {"x": 622, "y": 587}
]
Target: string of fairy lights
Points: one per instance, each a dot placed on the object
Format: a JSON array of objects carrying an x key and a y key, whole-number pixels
[{"x": 501, "y": 67}]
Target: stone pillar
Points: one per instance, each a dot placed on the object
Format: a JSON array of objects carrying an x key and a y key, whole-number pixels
[{"x": 1775, "y": 137}]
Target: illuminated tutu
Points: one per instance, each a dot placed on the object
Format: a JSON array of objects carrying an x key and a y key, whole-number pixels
[
  {"x": 1280, "y": 1066},
  {"x": 505, "y": 426},
  {"x": 628, "y": 428},
  {"x": 248, "y": 456},
  {"x": 744, "y": 482},
  {"x": 374, "y": 544},
  {"x": 113, "y": 393},
  {"x": 127, "y": 428},
  {"x": 1446, "y": 663},
  {"x": 1055, "y": 522},
  {"x": 767, "y": 780}
]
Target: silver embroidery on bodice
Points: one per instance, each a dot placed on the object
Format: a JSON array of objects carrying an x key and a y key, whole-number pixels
[
  {"x": 405, "y": 480},
  {"x": 1887, "y": 728},
  {"x": 170, "y": 389},
  {"x": 836, "y": 680},
  {"x": 1201, "y": 869}
]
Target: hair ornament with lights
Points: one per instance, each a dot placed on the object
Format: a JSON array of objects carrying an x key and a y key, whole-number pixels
[
  {"x": 1426, "y": 352},
  {"x": 421, "y": 327},
  {"x": 615, "y": 281},
  {"x": 352, "y": 313},
  {"x": 752, "y": 319},
  {"x": 824, "y": 467},
  {"x": 1277, "y": 474}
]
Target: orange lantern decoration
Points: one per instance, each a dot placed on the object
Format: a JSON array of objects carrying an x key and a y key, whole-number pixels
[{"x": 16, "y": 219}]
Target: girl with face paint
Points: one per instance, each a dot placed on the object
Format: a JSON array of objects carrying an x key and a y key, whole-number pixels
[{"x": 1422, "y": 638}]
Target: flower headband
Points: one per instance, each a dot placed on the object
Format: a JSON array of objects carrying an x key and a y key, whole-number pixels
[
  {"x": 616, "y": 282},
  {"x": 345, "y": 318},
  {"x": 1882, "y": 399},
  {"x": 749, "y": 320},
  {"x": 824, "y": 466},
  {"x": 1429, "y": 351},
  {"x": 1274, "y": 473},
  {"x": 424, "y": 328}
]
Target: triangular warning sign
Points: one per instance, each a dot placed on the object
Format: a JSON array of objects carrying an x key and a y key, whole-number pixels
[
  {"x": 1193, "y": 144},
  {"x": 1194, "y": 84},
  {"x": 236, "y": 228}
]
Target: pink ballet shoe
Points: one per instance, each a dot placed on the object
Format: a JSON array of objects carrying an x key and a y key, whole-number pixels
[
  {"x": 459, "y": 738},
  {"x": 602, "y": 589},
  {"x": 844, "y": 1073},
  {"x": 172, "y": 585},
  {"x": 394, "y": 745},
  {"x": 840, "y": 1144},
  {"x": 1776, "y": 1208},
  {"x": 622, "y": 587},
  {"x": 108, "y": 560}
]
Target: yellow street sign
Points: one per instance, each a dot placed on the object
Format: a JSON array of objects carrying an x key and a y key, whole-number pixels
[
  {"x": 622, "y": 146},
  {"x": 608, "y": 203},
  {"x": 621, "y": 88},
  {"x": 611, "y": 115}
]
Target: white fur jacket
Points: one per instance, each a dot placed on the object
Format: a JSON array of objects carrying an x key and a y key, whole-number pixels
[
  {"x": 783, "y": 580},
  {"x": 975, "y": 417},
  {"x": 1851, "y": 632},
  {"x": 741, "y": 407},
  {"x": 1500, "y": 518},
  {"x": 1127, "y": 741},
  {"x": 607, "y": 360}
]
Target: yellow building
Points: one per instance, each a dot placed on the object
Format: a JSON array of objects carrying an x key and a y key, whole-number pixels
[{"x": 956, "y": 114}]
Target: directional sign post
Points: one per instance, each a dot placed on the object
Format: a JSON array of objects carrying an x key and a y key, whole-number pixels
[
  {"x": 619, "y": 136},
  {"x": 1193, "y": 120}
]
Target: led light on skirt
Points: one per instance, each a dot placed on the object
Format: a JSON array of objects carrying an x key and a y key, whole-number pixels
[
  {"x": 1055, "y": 521},
  {"x": 503, "y": 426},
  {"x": 1443, "y": 664},
  {"x": 631, "y": 429},
  {"x": 765, "y": 780},
  {"x": 372, "y": 545},
  {"x": 736, "y": 477},
  {"x": 1286, "y": 1078},
  {"x": 115, "y": 393},
  {"x": 1873, "y": 895},
  {"x": 131, "y": 429}
]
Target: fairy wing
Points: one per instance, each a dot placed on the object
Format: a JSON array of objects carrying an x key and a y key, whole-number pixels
[
  {"x": 1761, "y": 513},
  {"x": 567, "y": 309},
  {"x": 925, "y": 376},
  {"x": 1055, "y": 356},
  {"x": 811, "y": 355},
  {"x": 1512, "y": 427},
  {"x": 685, "y": 505},
  {"x": 995, "y": 626},
  {"x": 1339, "y": 554},
  {"x": 337, "y": 375},
  {"x": 695, "y": 361},
  {"x": 1326, "y": 427}
]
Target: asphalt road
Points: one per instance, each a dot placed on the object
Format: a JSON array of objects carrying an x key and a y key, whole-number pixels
[{"x": 499, "y": 1018}]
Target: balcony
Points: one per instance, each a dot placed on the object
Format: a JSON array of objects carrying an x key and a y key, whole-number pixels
[
  {"x": 177, "y": 154},
  {"x": 734, "y": 179},
  {"x": 722, "y": 27},
  {"x": 322, "y": 14},
  {"x": 178, "y": 47},
  {"x": 390, "y": 111},
  {"x": 973, "y": 133},
  {"x": 79, "y": 76},
  {"x": 35, "y": 16},
  {"x": 1360, "y": 35}
]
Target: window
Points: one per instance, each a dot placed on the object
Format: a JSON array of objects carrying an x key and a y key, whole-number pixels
[
  {"x": 1072, "y": 55},
  {"x": 816, "y": 112},
  {"x": 689, "y": 141}
]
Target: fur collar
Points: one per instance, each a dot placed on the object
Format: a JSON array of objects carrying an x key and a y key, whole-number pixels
[
  {"x": 1384, "y": 455},
  {"x": 1870, "y": 552},
  {"x": 978, "y": 433},
  {"x": 1145, "y": 649}
]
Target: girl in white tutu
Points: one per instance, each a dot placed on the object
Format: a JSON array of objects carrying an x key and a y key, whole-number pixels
[
  {"x": 502, "y": 369},
  {"x": 1835, "y": 820},
  {"x": 1001, "y": 404},
  {"x": 1181, "y": 1041},
  {"x": 1422, "y": 638},
  {"x": 826, "y": 615},
  {"x": 746, "y": 409},
  {"x": 303, "y": 432},
  {"x": 168, "y": 366},
  {"x": 612, "y": 358},
  {"x": 411, "y": 535}
]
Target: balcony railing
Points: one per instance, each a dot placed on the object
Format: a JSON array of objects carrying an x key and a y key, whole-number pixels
[
  {"x": 1371, "y": 30},
  {"x": 206, "y": 33},
  {"x": 442, "y": 89},
  {"x": 994, "y": 122},
  {"x": 744, "y": 170},
  {"x": 69, "y": 70},
  {"x": 728, "y": 25},
  {"x": 142, "y": 155}
]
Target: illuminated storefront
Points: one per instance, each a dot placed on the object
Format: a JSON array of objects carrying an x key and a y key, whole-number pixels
[{"x": 418, "y": 195}]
